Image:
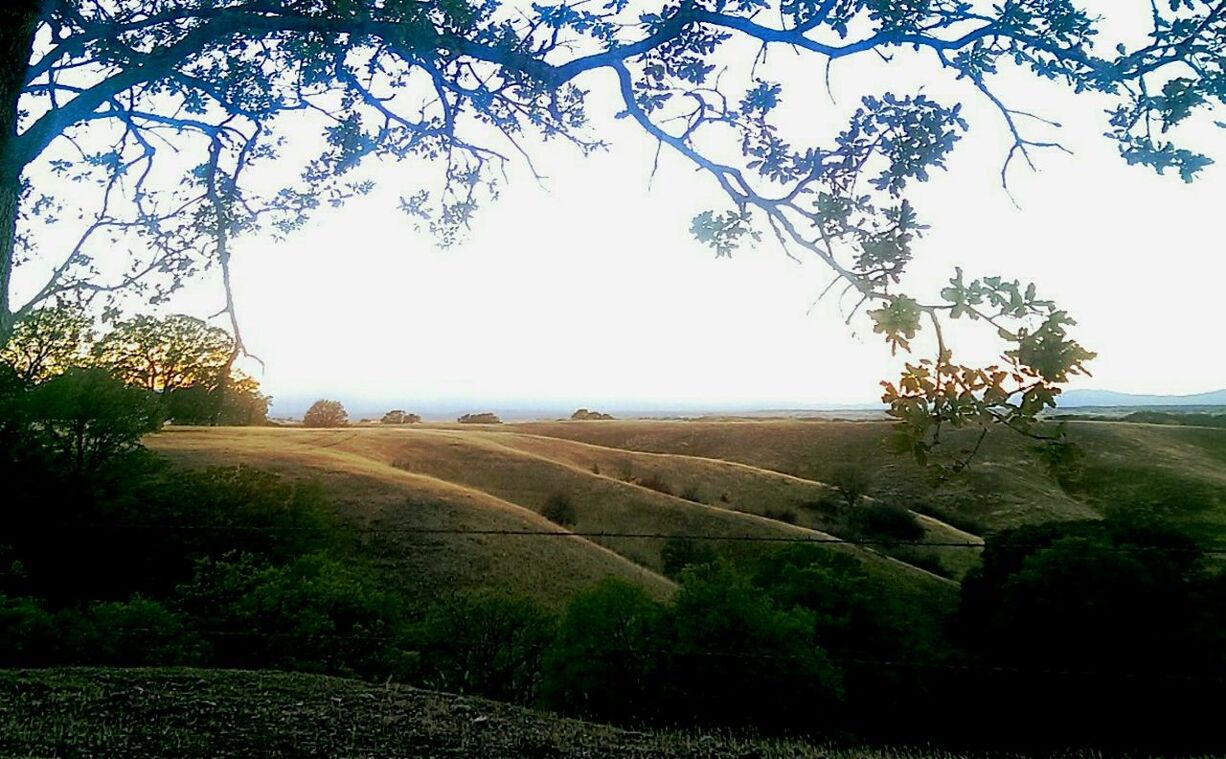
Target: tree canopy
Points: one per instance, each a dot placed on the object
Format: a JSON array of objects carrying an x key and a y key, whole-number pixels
[{"x": 179, "y": 113}]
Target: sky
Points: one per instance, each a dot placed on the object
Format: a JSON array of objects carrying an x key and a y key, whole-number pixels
[{"x": 589, "y": 290}]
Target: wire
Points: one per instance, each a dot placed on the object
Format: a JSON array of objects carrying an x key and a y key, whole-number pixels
[{"x": 801, "y": 539}]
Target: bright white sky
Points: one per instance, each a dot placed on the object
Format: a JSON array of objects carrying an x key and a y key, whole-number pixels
[{"x": 591, "y": 292}]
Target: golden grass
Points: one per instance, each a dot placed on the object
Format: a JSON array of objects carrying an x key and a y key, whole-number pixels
[{"x": 497, "y": 479}]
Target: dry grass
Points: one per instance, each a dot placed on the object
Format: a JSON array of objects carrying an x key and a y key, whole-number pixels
[
  {"x": 1179, "y": 473},
  {"x": 441, "y": 478}
]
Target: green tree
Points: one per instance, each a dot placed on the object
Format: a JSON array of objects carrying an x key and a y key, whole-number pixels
[
  {"x": 603, "y": 662},
  {"x": 85, "y": 418},
  {"x": 484, "y": 643},
  {"x": 325, "y": 413}
]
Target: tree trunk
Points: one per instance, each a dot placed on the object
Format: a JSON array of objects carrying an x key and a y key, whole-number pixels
[{"x": 18, "y": 22}]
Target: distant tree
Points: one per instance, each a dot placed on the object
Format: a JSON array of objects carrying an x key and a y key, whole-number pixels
[
  {"x": 852, "y": 481},
  {"x": 399, "y": 416},
  {"x": 560, "y": 510},
  {"x": 483, "y": 418},
  {"x": 86, "y": 417},
  {"x": 48, "y": 341},
  {"x": 583, "y": 415},
  {"x": 325, "y": 413}
]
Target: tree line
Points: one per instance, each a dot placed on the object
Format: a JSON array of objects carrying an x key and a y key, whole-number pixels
[{"x": 182, "y": 362}]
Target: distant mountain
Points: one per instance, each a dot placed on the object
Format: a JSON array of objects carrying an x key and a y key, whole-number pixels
[{"x": 1078, "y": 398}]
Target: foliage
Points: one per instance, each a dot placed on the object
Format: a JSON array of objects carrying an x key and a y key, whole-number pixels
[
  {"x": 655, "y": 481},
  {"x": 601, "y": 662},
  {"x": 881, "y": 519},
  {"x": 560, "y": 510},
  {"x": 163, "y": 355},
  {"x": 85, "y": 418},
  {"x": 679, "y": 553},
  {"x": 484, "y": 643},
  {"x": 852, "y": 481},
  {"x": 47, "y": 342},
  {"x": 315, "y": 613},
  {"x": 325, "y": 413},
  {"x": 460, "y": 86}
]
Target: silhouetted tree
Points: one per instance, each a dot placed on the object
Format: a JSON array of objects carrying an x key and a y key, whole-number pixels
[
  {"x": 121, "y": 78},
  {"x": 325, "y": 413},
  {"x": 162, "y": 355},
  {"x": 47, "y": 342}
]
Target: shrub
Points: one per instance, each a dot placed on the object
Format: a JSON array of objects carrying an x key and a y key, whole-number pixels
[
  {"x": 486, "y": 644},
  {"x": 325, "y": 413},
  {"x": 560, "y": 510},
  {"x": 852, "y": 481},
  {"x": 738, "y": 658},
  {"x": 85, "y": 418},
  {"x": 691, "y": 493},
  {"x": 655, "y": 482},
  {"x": 886, "y": 520},
  {"x": 600, "y": 663},
  {"x": 483, "y": 418},
  {"x": 315, "y": 614},
  {"x": 133, "y": 633},
  {"x": 679, "y": 553},
  {"x": 781, "y": 515}
]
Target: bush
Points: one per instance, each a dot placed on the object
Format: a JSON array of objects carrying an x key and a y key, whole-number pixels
[
  {"x": 325, "y": 413},
  {"x": 601, "y": 662},
  {"x": 691, "y": 493},
  {"x": 486, "y": 644},
  {"x": 135, "y": 633},
  {"x": 655, "y": 482},
  {"x": 679, "y": 553},
  {"x": 560, "y": 510},
  {"x": 738, "y": 658},
  {"x": 781, "y": 515},
  {"x": 483, "y": 418},
  {"x": 315, "y": 614},
  {"x": 852, "y": 481},
  {"x": 885, "y": 520},
  {"x": 85, "y": 418}
]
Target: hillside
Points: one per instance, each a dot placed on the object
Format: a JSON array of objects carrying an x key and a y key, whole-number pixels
[
  {"x": 427, "y": 489},
  {"x": 1170, "y": 473},
  {"x": 735, "y": 484}
]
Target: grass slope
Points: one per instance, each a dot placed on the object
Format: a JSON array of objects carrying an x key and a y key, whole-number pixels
[
  {"x": 485, "y": 480},
  {"x": 1173, "y": 473}
]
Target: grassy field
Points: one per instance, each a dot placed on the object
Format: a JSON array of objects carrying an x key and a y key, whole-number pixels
[
  {"x": 124, "y": 714},
  {"x": 417, "y": 484},
  {"x": 1175, "y": 473},
  {"x": 716, "y": 479}
]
